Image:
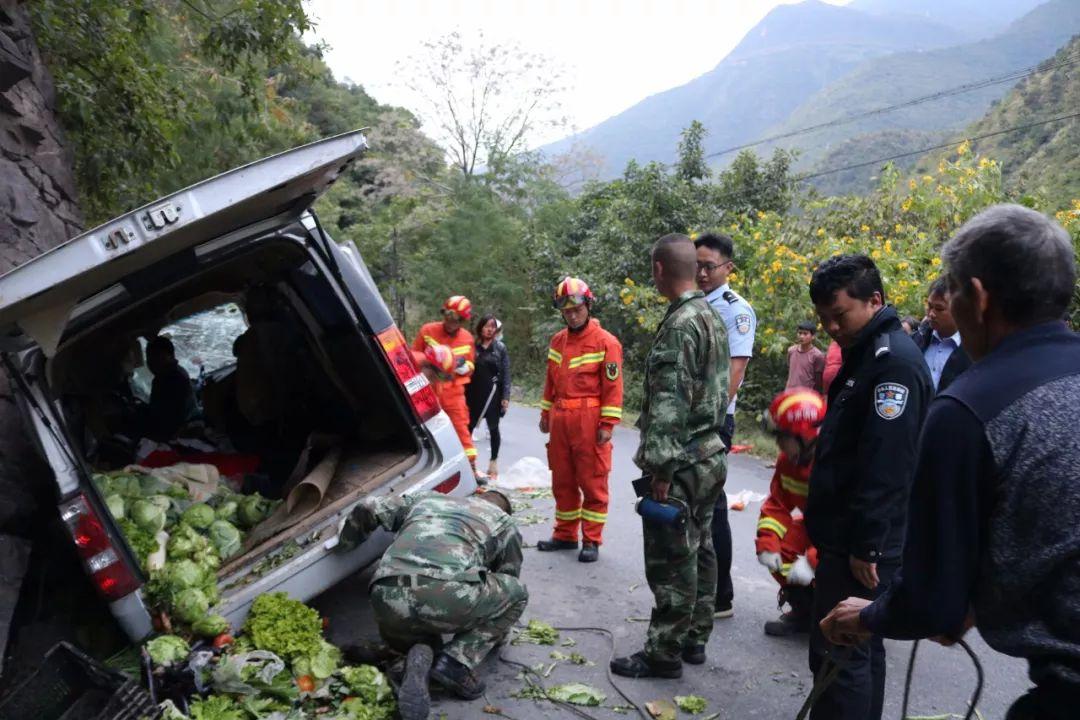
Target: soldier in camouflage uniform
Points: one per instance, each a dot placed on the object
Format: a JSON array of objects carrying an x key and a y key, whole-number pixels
[
  {"x": 686, "y": 386},
  {"x": 452, "y": 569}
]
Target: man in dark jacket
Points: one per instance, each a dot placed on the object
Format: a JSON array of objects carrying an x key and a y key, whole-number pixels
[
  {"x": 939, "y": 339},
  {"x": 992, "y": 536},
  {"x": 862, "y": 469}
]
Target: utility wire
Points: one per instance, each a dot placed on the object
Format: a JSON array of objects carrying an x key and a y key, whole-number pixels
[{"x": 958, "y": 90}]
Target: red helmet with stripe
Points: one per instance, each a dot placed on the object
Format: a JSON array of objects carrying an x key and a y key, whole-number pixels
[
  {"x": 459, "y": 305},
  {"x": 441, "y": 358},
  {"x": 798, "y": 412},
  {"x": 571, "y": 292}
]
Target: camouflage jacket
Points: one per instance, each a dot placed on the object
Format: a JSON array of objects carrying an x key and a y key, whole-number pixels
[
  {"x": 686, "y": 389},
  {"x": 442, "y": 537}
]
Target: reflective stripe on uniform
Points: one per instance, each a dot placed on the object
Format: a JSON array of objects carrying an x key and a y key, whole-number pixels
[
  {"x": 470, "y": 452},
  {"x": 468, "y": 364},
  {"x": 545, "y": 404},
  {"x": 586, "y": 359},
  {"x": 568, "y": 514},
  {"x": 772, "y": 525},
  {"x": 595, "y": 517},
  {"x": 555, "y": 356},
  {"x": 793, "y": 486},
  {"x": 431, "y": 341},
  {"x": 785, "y": 569},
  {"x": 611, "y": 411},
  {"x": 461, "y": 349}
]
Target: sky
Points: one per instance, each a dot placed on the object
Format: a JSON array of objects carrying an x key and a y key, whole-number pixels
[{"x": 615, "y": 52}]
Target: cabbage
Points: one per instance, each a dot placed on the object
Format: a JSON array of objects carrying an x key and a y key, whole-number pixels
[
  {"x": 191, "y": 605},
  {"x": 225, "y": 537},
  {"x": 210, "y": 626},
  {"x": 254, "y": 509},
  {"x": 167, "y": 649},
  {"x": 185, "y": 542},
  {"x": 227, "y": 510},
  {"x": 198, "y": 516},
  {"x": 184, "y": 574},
  {"x": 115, "y": 503},
  {"x": 127, "y": 485},
  {"x": 325, "y": 661},
  {"x": 367, "y": 683},
  {"x": 148, "y": 516}
]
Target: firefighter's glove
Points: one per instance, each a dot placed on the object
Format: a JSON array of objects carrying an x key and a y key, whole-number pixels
[
  {"x": 462, "y": 368},
  {"x": 770, "y": 560},
  {"x": 801, "y": 573}
]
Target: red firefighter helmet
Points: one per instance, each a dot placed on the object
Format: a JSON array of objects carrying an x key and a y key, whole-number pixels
[
  {"x": 798, "y": 412},
  {"x": 441, "y": 358},
  {"x": 459, "y": 305},
  {"x": 571, "y": 292}
]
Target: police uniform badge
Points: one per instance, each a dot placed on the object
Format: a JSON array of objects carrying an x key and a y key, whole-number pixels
[
  {"x": 890, "y": 399},
  {"x": 611, "y": 371},
  {"x": 742, "y": 324}
]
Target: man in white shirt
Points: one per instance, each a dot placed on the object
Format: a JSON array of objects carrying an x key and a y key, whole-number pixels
[
  {"x": 939, "y": 339},
  {"x": 716, "y": 261}
]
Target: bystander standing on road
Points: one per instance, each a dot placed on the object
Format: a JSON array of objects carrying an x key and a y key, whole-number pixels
[
  {"x": 488, "y": 395},
  {"x": 991, "y": 536},
  {"x": 806, "y": 362},
  {"x": 686, "y": 376},
  {"x": 863, "y": 467},
  {"x": 939, "y": 339},
  {"x": 715, "y": 263}
]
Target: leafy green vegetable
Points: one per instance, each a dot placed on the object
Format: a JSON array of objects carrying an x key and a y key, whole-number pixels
[
  {"x": 147, "y": 515},
  {"x": 254, "y": 509},
  {"x": 227, "y": 510},
  {"x": 191, "y": 604},
  {"x": 216, "y": 707},
  {"x": 225, "y": 538},
  {"x": 210, "y": 626},
  {"x": 185, "y": 542},
  {"x": 115, "y": 503},
  {"x": 367, "y": 683},
  {"x": 260, "y": 707},
  {"x": 284, "y": 626},
  {"x": 142, "y": 542},
  {"x": 357, "y": 709},
  {"x": 692, "y": 704},
  {"x": 537, "y": 632},
  {"x": 577, "y": 694},
  {"x": 167, "y": 649},
  {"x": 198, "y": 516},
  {"x": 169, "y": 711},
  {"x": 325, "y": 661}
]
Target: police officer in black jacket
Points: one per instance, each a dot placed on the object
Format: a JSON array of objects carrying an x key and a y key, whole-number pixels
[{"x": 862, "y": 469}]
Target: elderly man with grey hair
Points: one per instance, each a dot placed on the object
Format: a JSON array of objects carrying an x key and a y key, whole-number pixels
[{"x": 992, "y": 537}]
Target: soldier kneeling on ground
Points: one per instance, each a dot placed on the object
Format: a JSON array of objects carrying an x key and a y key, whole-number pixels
[{"x": 452, "y": 569}]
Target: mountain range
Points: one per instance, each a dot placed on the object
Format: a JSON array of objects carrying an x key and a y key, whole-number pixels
[{"x": 814, "y": 63}]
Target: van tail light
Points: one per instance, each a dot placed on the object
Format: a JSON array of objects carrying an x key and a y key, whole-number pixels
[
  {"x": 449, "y": 484},
  {"x": 421, "y": 393},
  {"x": 103, "y": 560}
]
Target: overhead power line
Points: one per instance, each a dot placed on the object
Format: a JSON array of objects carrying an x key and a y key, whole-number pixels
[{"x": 957, "y": 90}]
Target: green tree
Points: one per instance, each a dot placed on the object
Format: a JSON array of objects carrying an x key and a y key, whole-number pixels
[
  {"x": 749, "y": 185},
  {"x": 691, "y": 164}
]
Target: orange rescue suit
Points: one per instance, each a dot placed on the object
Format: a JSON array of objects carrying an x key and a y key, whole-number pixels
[
  {"x": 780, "y": 527},
  {"x": 452, "y": 392},
  {"x": 583, "y": 390}
]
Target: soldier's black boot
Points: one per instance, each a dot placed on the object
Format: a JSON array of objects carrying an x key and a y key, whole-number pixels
[
  {"x": 456, "y": 678},
  {"x": 694, "y": 654},
  {"x": 414, "y": 700},
  {"x": 553, "y": 544},
  {"x": 590, "y": 552},
  {"x": 797, "y": 620},
  {"x": 639, "y": 665}
]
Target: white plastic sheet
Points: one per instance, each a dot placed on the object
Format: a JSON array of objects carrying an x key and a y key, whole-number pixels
[
  {"x": 739, "y": 500},
  {"x": 528, "y": 472}
]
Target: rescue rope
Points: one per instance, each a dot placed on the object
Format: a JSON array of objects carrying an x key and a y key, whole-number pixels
[{"x": 979, "y": 679}]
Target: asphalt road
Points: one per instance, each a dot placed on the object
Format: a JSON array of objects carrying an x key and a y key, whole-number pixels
[{"x": 748, "y": 674}]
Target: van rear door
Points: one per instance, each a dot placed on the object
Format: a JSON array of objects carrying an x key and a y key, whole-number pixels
[{"x": 36, "y": 298}]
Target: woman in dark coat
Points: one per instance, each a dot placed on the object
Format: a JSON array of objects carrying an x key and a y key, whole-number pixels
[{"x": 488, "y": 395}]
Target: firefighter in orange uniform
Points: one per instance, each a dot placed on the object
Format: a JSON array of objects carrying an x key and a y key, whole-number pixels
[
  {"x": 783, "y": 545},
  {"x": 451, "y": 392},
  {"x": 582, "y": 403}
]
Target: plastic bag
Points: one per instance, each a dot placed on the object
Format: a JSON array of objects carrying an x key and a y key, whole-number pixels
[
  {"x": 228, "y": 676},
  {"x": 741, "y": 499},
  {"x": 528, "y": 472}
]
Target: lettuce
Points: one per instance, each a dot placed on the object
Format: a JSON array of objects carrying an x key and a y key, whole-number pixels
[
  {"x": 216, "y": 707},
  {"x": 167, "y": 649},
  {"x": 198, "y": 516},
  {"x": 225, "y": 538},
  {"x": 367, "y": 683},
  {"x": 191, "y": 604},
  {"x": 284, "y": 626},
  {"x": 148, "y": 516},
  {"x": 210, "y": 626}
]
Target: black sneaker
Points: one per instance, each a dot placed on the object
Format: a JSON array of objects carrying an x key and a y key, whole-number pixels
[
  {"x": 414, "y": 700},
  {"x": 456, "y": 678},
  {"x": 553, "y": 544},
  {"x": 639, "y": 665},
  {"x": 790, "y": 623},
  {"x": 590, "y": 552},
  {"x": 694, "y": 654}
]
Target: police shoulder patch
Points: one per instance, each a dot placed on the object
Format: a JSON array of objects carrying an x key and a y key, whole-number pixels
[
  {"x": 890, "y": 399},
  {"x": 742, "y": 324},
  {"x": 611, "y": 371}
]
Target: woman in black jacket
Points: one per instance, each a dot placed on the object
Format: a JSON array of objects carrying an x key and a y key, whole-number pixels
[{"x": 488, "y": 395}]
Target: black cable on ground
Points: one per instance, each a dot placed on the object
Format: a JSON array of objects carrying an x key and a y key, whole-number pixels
[
  {"x": 980, "y": 679},
  {"x": 610, "y": 678}
]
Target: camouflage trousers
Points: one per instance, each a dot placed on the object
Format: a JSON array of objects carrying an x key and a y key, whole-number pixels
[
  {"x": 680, "y": 565},
  {"x": 478, "y": 614}
]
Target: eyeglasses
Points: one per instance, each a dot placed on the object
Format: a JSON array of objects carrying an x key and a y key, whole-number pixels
[
  {"x": 710, "y": 268},
  {"x": 569, "y": 301}
]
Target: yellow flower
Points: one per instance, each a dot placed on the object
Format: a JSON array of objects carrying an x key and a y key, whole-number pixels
[
  {"x": 627, "y": 299},
  {"x": 820, "y": 232},
  {"x": 757, "y": 235},
  {"x": 964, "y": 148},
  {"x": 776, "y": 266},
  {"x": 768, "y": 331},
  {"x": 911, "y": 184},
  {"x": 888, "y": 246},
  {"x": 876, "y": 254},
  {"x": 985, "y": 162},
  {"x": 902, "y": 266},
  {"x": 928, "y": 178},
  {"x": 899, "y": 228},
  {"x": 629, "y": 282},
  {"x": 906, "y": 205},
  {"x": 761, "y": 214},
  {"x": 936, "y": 262},
  {"x": 865, "y": 228},
  {"x": 640, "y": 319}
]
